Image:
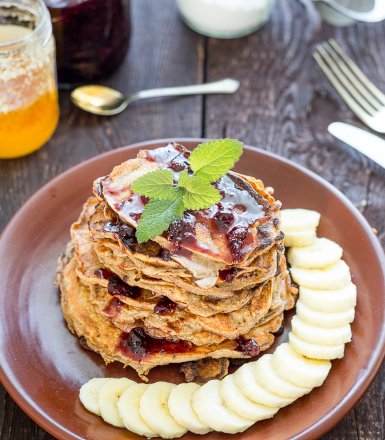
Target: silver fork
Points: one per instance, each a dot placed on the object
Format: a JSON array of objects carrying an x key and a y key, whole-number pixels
[{"x": 354, "y": 87}]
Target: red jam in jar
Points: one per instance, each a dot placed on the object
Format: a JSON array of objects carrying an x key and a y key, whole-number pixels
[{"x": 92, "y": 37}]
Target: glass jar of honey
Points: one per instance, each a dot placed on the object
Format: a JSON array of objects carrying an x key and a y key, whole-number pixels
[{"x": 29, "y": 109}]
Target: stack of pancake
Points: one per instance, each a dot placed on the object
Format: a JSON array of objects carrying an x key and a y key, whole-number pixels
[{"x": 214, "y": 286}]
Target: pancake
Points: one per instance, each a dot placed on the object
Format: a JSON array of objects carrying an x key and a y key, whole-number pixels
[
  {"x": 213, "y": 286},
  {"x": 89, "y": 264},
  {"x": 181, "y": 323},
  {"x": 247, "y": 215},
  {"x": 101, "y": 336},
  {"x": 150, "y": 260}
]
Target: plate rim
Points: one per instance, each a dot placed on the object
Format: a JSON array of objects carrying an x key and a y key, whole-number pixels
[{"x": 326, "y": 422}]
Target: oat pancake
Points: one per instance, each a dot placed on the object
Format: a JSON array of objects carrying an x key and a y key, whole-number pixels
[
  {"x": 101, "y": 336},
  {"x": 139, "y": 304},
  {"x": 213, "y": 286}
]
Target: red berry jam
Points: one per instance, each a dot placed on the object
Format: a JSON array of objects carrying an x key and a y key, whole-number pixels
[
  {"x": 127, "y": 235},
  {"x": 118, "y": 287},
  {"x": 223, "y": 220},
  {"x": 112, "y": 309},
  {"x": 138, "y": 344},
  {"x": 247, "y": 346},
  {"x": 104, "y": 273},
  {"x": 165, "y": 306},
  {"x": 177, "y": 167},
  {"x": 228, "y": 275},
  {"x": 236, "y": 238},
  {"x": 125, "y": 232},
  {"x": 132, "y": 207},
  {"x": 182, "y": 230}
]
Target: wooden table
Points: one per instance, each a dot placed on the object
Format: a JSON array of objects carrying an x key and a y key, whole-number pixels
[{"x": 284, "y": 105}]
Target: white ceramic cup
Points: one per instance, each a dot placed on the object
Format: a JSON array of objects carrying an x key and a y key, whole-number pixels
[{"x": 225, "y": 18}]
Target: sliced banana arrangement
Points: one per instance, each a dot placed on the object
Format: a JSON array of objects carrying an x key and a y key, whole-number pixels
[
  {"x": 257, "y": 390},
  {"x": 128, "y": 407},
  {"x": 299, "y": 226},
  {"x": 109, "y": 395},
  {"x": 321, "y": 253}
]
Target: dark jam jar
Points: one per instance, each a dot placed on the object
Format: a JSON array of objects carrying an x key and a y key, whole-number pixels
[{"x": 92, "y": 37}]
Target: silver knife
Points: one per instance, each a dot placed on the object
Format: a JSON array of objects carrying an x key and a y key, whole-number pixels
[{"x": 369, "y": 144}]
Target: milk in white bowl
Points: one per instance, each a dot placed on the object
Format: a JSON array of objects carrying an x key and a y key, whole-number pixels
[{"x": 225, "y": 18}]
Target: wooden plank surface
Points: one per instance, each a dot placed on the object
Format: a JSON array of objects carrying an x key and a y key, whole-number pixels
[{"x": 284, "y": 105}]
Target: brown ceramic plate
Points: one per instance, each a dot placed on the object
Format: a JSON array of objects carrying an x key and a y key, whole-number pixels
[{"x": 43, "y": 365}]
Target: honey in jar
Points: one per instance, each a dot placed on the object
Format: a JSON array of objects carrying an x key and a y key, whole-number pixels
[{"x": 29, "y": 109}]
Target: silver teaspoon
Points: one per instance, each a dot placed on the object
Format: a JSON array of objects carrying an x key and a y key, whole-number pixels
[{"x": 103, "y": 100}]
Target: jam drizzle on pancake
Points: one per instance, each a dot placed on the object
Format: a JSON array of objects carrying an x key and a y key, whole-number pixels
[
  {"x": 247, "y": 346},
  {"x": 223, "y": 230},
  {"x": 165, "y": 306},
  {"x": 138, "y": 344},
  {"x": 228, "y": 274},
  {"x": 118, "y": 287},
  {"x": 125, "y": 232},
  {"x": 104, "y": 273},
  {"x": 113, "y": 308}
]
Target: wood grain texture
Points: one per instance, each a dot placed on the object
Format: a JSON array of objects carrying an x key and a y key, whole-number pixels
[{"x": 284, "y": 105}]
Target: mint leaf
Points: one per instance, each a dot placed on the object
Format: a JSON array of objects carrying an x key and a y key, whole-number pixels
[
  {"x": 168, "y": 201},
  {"x": 156, "y": 218},
  {"x": 212, "y": 159},
  {"x": 158, "y": 184},
  {"x": 199, "y": 192}
]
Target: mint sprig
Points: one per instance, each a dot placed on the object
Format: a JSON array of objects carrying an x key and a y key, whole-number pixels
[
  {"x": 158, "y": 184},
  {"x": 211, "y": 160},
  {"x": 169, "y": 200},
  {"x": 157, "y": 217},
  {"x": 198, "y": 192}
]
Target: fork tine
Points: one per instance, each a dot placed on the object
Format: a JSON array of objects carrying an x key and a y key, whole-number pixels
[
  {"x": 358, "y": 72},
  {"x": 362, "y": 89},
  {"x": 344, "y": 81},
  {"x": 340, "y": 88}
]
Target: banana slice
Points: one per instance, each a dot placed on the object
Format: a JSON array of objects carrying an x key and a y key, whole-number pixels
[
  {"x": 154, "y": 411},
  {"x": 269, "y": 379},
  {"x": 300, "y": 238},
  {"x": 322, "y": 253},
  {"x": 297, "y": 220},
  {"x": 319, "y": 335},
  {"x": 241, "y": 405},
  {"x": 316, "y": 351},
  {"x": 109, "y": 395},
  {"x": 128, "y": 407},
  {"x": 297, "y": 369},
  {"x": 180, "y": 407},
  {"x": 329, "y": 301},
  {"x": 89, "y": 394},
  {"x": 322, "y": 319},
  {"x": 208, "y": 405},
  {"x": 332, "y": 277},
  {"x": 250, "y": 388}
]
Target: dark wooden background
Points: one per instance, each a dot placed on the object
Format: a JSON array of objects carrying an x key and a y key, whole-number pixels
[{"x": 284, "y": 105}]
